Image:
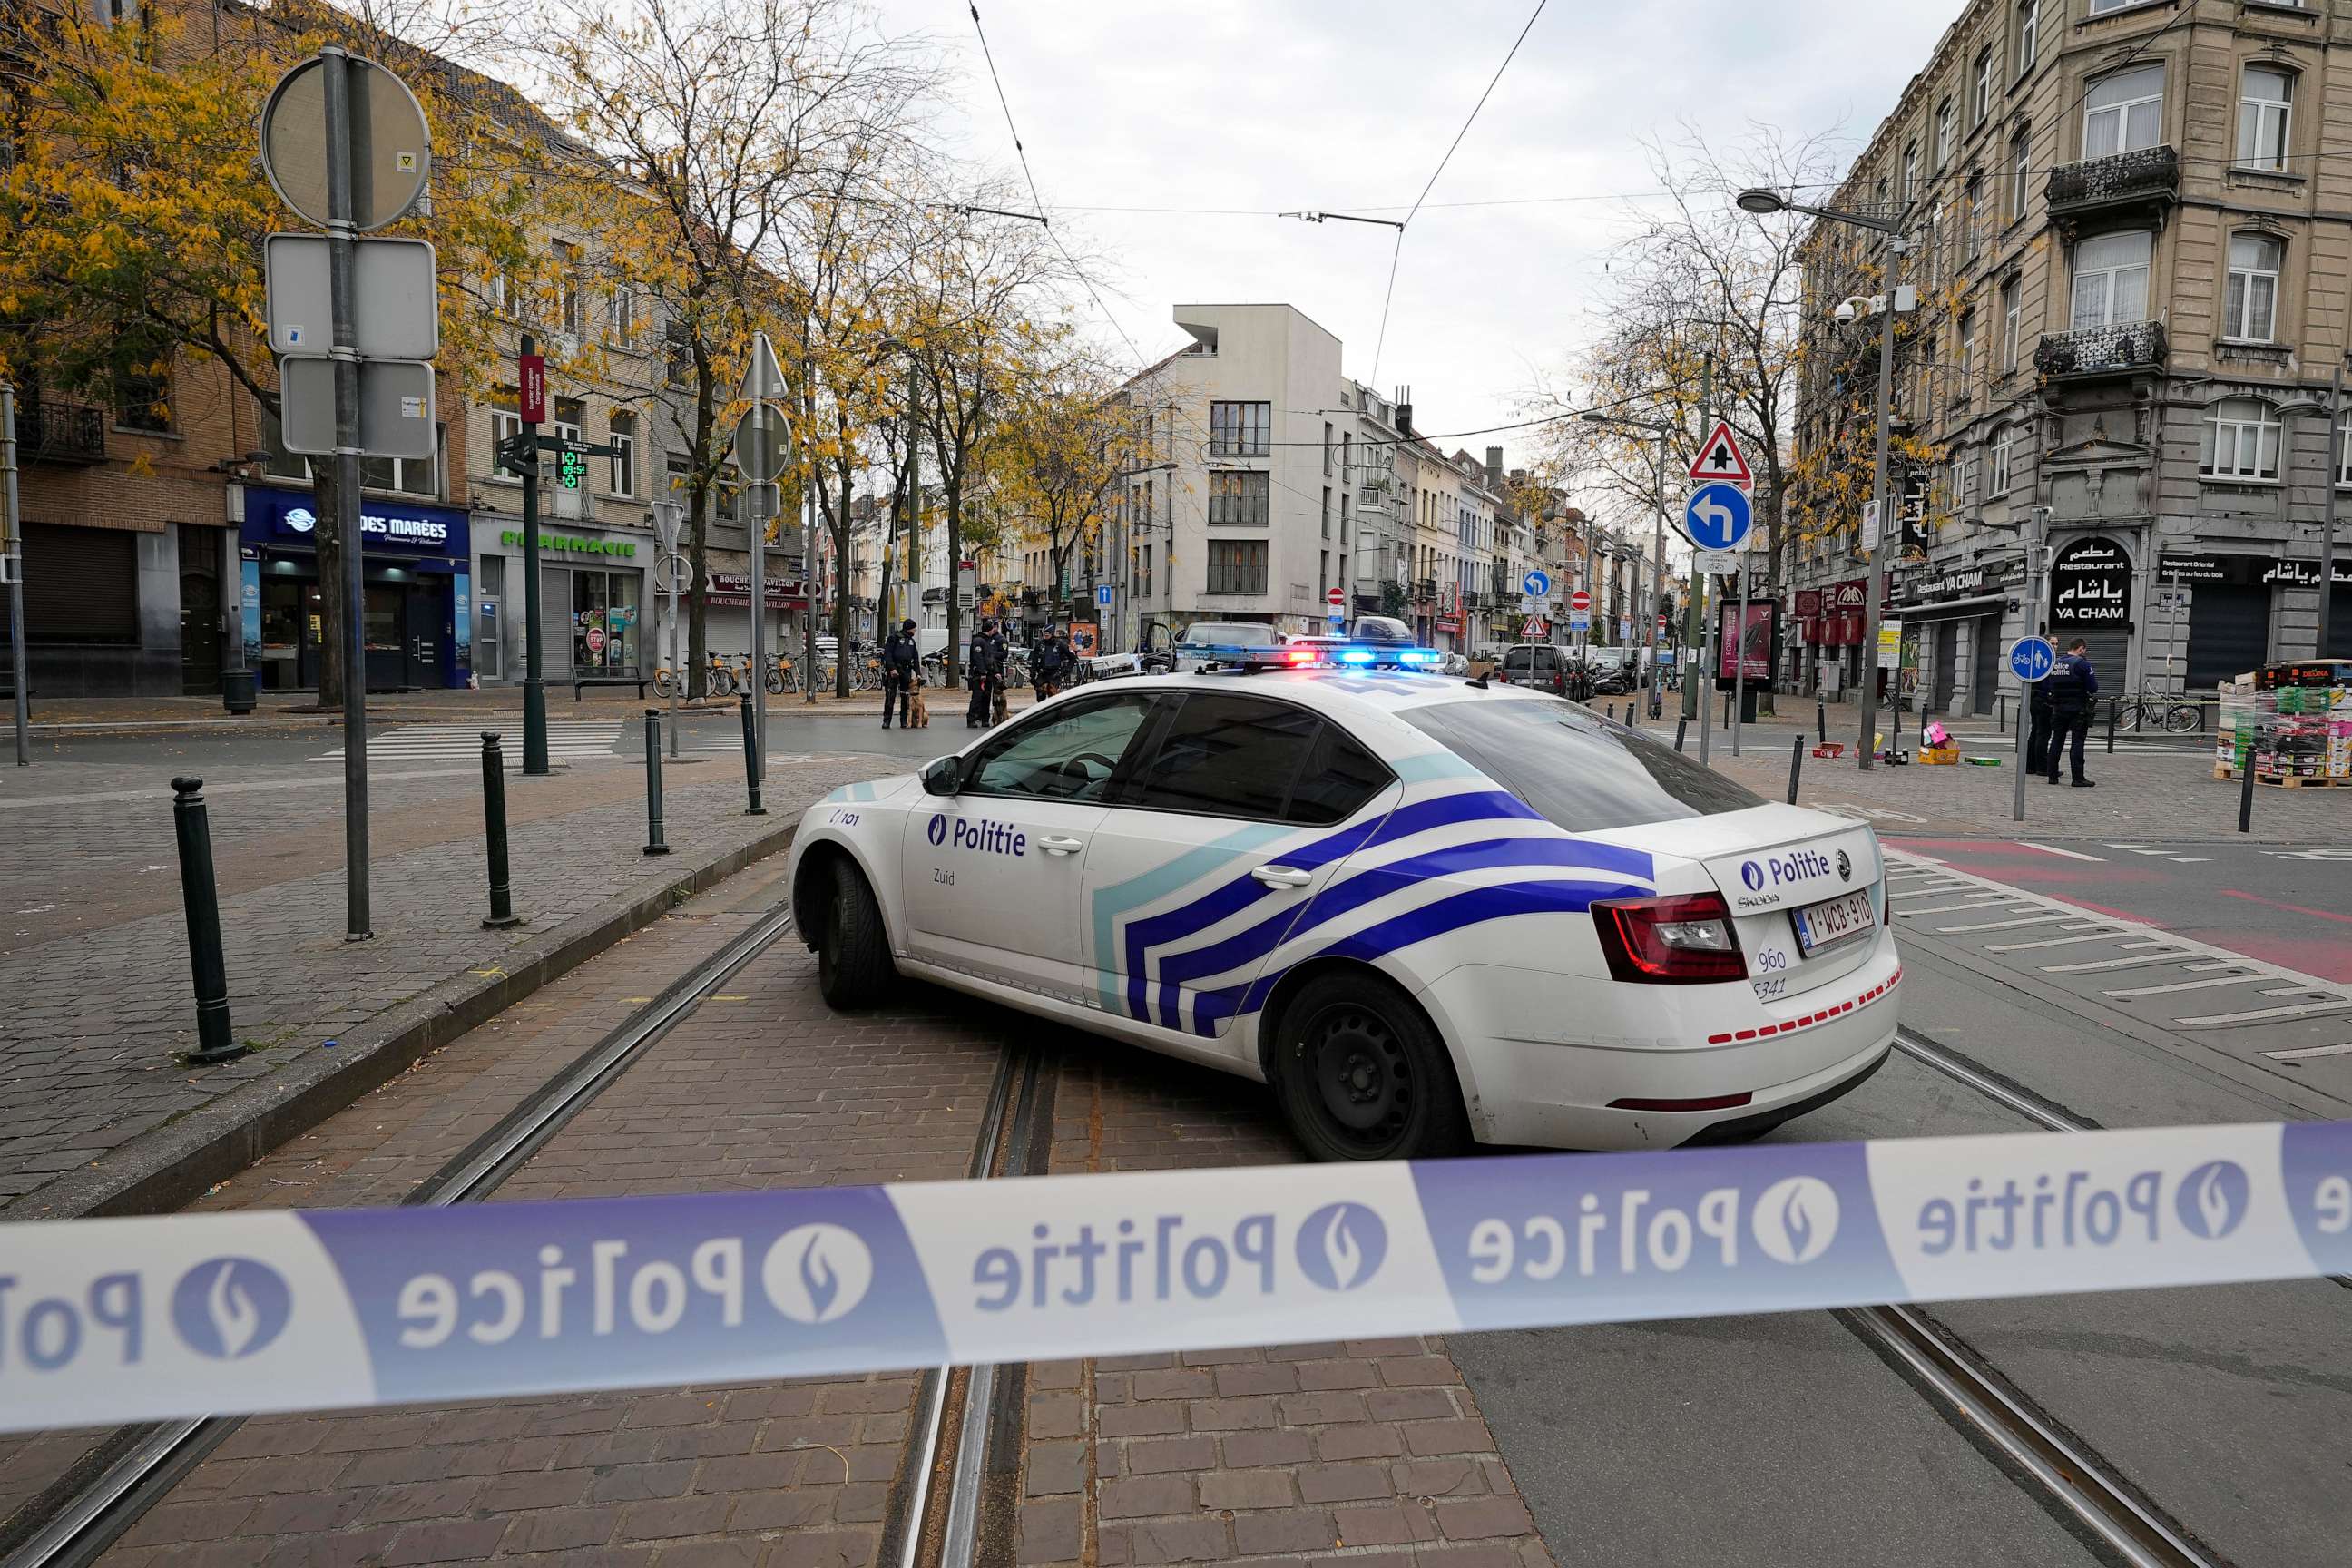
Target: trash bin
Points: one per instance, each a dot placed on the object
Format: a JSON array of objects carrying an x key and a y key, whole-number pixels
[{"x": 236, "y": 690}]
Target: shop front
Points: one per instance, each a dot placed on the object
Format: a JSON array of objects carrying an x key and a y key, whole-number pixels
[
  {"x": 1830, "y": 621},
  {"x": 727, "y": 622},
  {"x": 2090, "y": 598},
  {"x": 415, "y": 619},
  {"x": 1954, "y": 617},
  {"x": 595, "y": 607},
  {"x": 2224, "y": 628}
]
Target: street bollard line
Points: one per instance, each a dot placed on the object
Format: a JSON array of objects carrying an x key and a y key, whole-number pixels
[
  {"x": 494, "y": 825},
  {"x": 655, "y": 845},
  {"x": 751, "y": 759},
  {"x": 192, "y": 824},
  {"x": 1796, "y": 766}
]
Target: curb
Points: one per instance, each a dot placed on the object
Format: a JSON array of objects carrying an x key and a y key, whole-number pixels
[{"x": 165, "y": 1169}]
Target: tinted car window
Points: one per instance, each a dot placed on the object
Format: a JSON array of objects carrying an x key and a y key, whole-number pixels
[
  {"x": 1519, "y": 661},
  {"x": 1338, "y": 778},
  {"x": 1069, "y": 753},
  {"x": 1574, "y": 769},
  {"x": 1382, "y": 629},
  {"x": 1225, "y": 756}
]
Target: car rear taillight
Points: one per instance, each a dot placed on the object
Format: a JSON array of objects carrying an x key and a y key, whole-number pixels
[{"x": 1685, "y": 939}]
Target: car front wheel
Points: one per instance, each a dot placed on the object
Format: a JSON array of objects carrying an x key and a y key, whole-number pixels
[
  {"x": 853, "y": 953},
  {"x": 1361, "y": 1074}
]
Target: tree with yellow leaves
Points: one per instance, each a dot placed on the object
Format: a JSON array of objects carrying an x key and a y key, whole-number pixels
[
  {"x": 1063, "y": 453},
  {"x": 135, "y": 210}
]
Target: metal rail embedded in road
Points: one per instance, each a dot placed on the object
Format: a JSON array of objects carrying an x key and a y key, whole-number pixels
[{"x": 148, "y": 1462}]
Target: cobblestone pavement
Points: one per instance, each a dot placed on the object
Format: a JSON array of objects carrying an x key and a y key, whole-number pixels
[
  {"x": 99, "y": 1007},
  {"x": 1276, "y": 1455}
]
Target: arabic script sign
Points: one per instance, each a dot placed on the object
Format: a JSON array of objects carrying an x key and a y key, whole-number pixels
[{"x": 2090, "y": 583}]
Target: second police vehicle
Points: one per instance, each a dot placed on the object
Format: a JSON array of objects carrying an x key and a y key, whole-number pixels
[{"x": 1425, "y": 910}]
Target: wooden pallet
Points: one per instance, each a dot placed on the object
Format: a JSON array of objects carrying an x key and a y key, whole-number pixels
[{"x": 2301, "y": 781}]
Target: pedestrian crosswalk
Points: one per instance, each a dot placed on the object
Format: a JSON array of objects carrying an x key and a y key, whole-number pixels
[{"x": 568, "y": 740}]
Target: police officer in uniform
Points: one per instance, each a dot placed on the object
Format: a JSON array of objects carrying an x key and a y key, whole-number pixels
[
  {"x": 987, "y": 673},
  {"x": 2072, "y": 687},
  {"x": 901, "y": 655}
]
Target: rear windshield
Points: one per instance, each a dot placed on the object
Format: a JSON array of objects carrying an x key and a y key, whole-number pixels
[
  {"x": 1230, "y": 634},
  {"x": 1382, "y": 628},
  {"x": 1573, "y": 768}
]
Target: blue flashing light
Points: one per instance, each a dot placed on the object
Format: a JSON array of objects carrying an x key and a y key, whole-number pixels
[
  {"x": 1418, "y": 656},
  {"x": 1358, "y": 655}
]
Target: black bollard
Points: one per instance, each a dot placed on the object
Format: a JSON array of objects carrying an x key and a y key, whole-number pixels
[
  {"x": 2111, "y": 726},
  {"x": 1612, "y": 712},
  {"x": 494, "y": 825},
  {"x": 1796, "y": 766},
  {"x": 751, "y": 762},
  {"x": 1682, "y": 728},
  {"x": 2246, "y": 794},
  {"x": 654, "y": 844},
  {"x": 194, "y": 829},
  {"x": 1821, "y": 720}
]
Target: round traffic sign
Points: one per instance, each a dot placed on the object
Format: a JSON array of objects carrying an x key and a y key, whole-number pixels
[
  {"x": 2031, "y": 660},
  {"x": 1579, "y": 600},
  {"x": 1719, "y": 517},
  {"x": 1335, "y": 598},
  {"x": 760, "y": 438},
  {"x": 1535, "y": 583},
  {"x": 392, "y": 148},
  {"x": 673, "y": 571}
]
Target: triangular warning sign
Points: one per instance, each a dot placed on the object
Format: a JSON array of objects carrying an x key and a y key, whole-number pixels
[{"x": 1719, "y": 459}]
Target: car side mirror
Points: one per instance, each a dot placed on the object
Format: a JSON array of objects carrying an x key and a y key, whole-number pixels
[{"x": 944, "y": 776}]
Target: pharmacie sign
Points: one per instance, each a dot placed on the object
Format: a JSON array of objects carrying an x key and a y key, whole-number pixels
[
  {"x": 573, "y": 544},
  {"x": 2090, "y": 585}
]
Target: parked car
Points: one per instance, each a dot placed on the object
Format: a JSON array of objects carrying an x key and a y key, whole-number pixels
[
  {"x": 1544, "y": 666},
  {"x": 1196, "y": 646}
]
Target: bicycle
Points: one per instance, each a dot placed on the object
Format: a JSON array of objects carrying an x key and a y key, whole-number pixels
[
  {"x": 2173, "y": 715},
  {"x": 719, "y": 677}
]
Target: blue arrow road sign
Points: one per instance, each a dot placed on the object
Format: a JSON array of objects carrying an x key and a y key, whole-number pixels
[
  {"x": 1102, "y": 594},
  {"x": 1719, "y": 517},
  {"x": 1535, "y": 585},
  {"x": 2032, "y": 658}
]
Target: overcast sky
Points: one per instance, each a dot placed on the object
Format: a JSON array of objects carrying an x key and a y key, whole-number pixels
[{"x": 1285, "y": 104}]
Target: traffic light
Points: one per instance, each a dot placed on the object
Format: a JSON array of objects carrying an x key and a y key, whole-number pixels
[{"x": 572, "y": 469}]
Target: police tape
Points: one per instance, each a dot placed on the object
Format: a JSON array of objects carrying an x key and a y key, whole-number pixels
[{"x": 126, "y": 1319}]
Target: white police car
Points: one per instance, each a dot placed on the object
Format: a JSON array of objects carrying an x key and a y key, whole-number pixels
[{"x": 1423, "y": 909}]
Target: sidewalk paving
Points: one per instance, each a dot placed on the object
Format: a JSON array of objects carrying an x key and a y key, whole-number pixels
[
  {"x": 2150, "y": 792},
  {"x": 97, "y": 1112},
  {"x": 300, "y": 710}
]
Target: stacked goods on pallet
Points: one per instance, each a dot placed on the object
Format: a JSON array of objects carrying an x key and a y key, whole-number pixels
[
  {"x": 2240, "y": 726},
  {"x": 2339, "y": 733},
  {"x": 2295, "y": 746},
  {"x": 2295, "y": 726}
]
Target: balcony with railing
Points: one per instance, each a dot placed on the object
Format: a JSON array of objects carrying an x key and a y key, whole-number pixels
[
  {"x": 2145, "y": 177},
  {"x": 2122, "y": 350},
  {"x": 51, "y": 432}
]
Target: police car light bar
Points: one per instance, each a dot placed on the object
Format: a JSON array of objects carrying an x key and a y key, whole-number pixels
[{"x": 1323, "y": 652}]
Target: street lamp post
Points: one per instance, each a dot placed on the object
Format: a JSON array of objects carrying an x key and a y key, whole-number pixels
[{"x": 1886, "y": 306}]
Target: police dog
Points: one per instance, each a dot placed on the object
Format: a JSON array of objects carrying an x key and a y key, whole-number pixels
[
  {"x": 996, "y": 703},
  {"x": 918, "y": 711}
]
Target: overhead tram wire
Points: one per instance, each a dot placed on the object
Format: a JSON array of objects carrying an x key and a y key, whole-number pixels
[{"x": 1397, "y": 253}]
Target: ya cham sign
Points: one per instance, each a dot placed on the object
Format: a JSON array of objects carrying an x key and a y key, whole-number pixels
[{"x": 2091, "y": 583}]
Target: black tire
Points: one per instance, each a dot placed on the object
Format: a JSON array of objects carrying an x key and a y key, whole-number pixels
[
  {"x": 853, "y": 954},
  {"x": 1361, "y": 1075}
]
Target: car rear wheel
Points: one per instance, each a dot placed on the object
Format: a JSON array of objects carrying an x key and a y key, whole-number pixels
[
  {"x": 1361, "y": 1074},
  {"x": 853, "y": 954}
]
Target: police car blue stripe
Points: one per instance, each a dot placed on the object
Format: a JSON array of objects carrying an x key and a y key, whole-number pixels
[
  {"x": 1356, "y": 889},
  {"x": 1400, "y": 932},
  {"x": 1156, "y": 884},
  {"x": 1231, "y": 897}
]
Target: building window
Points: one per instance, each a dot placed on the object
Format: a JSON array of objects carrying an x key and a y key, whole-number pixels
[
  {"x": 1947, "y": 133},
  {"x": 2242, "y": 440},
  {"x": 506, "y": 425},
  {"x": 1980, "y": 103},
  {"x": 677, "y": 353},
  {"x": 2002, "y": 441},
  {"x": 1911, "y": 170},
  {"x": 1236, "y": 566},
  {"x": 2029, "y": 29},
  {"x": 2012, "y": 320},
  {"x": 574, "y": 293},
  {"x": 2250, "y": 307},
  {"x": 2343, "y": 453},
  {"x": 1327, "y": 448},
  {"x": 2111, "y": 280},
  {"x": 1971, "y": 222},
  {"x": 2124, "y": 112},
  {"x": 2263, "y": 109},
  {"x": 1326, "y": 511},
  {"x": 2021, "y": 174},
  {"x": 142, "y": 384},
  {"x": 1964, "y": 354},
  {"x": 1238, "y": 499},
  {"x": 623, "y": 442},
  {"x": 1240, "y": 429},
  {"x": 1956, "y": 483},
  {"x": 624, "y": 317}
]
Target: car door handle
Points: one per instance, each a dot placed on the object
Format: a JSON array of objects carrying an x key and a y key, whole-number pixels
[
  {"x": 1282, "y": 877},
  {"x": 1061, "y": 845}
]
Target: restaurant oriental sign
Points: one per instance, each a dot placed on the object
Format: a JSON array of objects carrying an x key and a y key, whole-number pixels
[{"x": 2090, "y": 585}]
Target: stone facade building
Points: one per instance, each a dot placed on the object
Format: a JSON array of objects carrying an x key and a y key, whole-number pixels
[{"x": 2131, "y": 226}]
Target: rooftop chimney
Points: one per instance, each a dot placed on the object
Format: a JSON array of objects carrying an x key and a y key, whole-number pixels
[{"x": 1495, "y": 469}]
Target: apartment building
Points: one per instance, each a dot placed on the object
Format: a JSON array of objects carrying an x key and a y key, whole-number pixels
[{"x": 2131, "y": 231}]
